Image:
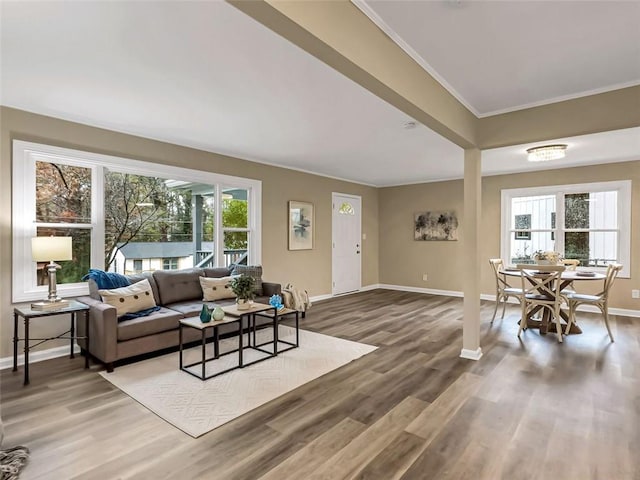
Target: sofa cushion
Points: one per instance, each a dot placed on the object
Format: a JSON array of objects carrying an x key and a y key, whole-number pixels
[
  {"x": 133, "y": 298},
  {"x": 187, "y": 308},
  {"x": 217, "y": 272},
  {"x": 160, "y": 321},
  {"x": 216, "y": 288},
  {"x": 254, "y": 271},
  {"x": 178, "y": 285}
]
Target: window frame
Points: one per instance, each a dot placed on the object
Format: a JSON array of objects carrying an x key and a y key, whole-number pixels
[
  {"x": 622, "y": 187},
  {"x": 25, "y": 155},
  {"x": 171, "y": 261}
]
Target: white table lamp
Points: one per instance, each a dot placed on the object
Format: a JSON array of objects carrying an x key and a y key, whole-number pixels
[{"x": 51, "y": 249}]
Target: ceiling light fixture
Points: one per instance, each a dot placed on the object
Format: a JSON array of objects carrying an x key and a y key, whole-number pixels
[{"x": 546, "y": 153}]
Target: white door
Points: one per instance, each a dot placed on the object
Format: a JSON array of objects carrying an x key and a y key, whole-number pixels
[{"x": 347, "y": 243}]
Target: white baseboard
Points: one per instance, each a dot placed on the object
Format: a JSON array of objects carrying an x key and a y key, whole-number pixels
[
  {"x": 430, "y": 291},
  {"x": 39, "y": 356},
  {"x": 471, "y": 354},
  {"x": 327, "y": 296},
  {"x": 624, "y": 312}
]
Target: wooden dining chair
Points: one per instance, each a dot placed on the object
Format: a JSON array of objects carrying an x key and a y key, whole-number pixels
[
  {"x": 503, "y": 289},
  {"x": 541, "y": 289},
  {"x": 570, "y": 263},
  {"x": 601, "y": 300}
]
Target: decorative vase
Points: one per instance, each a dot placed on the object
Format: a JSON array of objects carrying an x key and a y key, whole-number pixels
[
  {"x": 205, "y": 315},
  {"x": 218, "y": 313},
  {"x": 243, "y": 304}
]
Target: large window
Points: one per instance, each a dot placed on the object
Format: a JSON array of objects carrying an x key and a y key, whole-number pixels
[
  {"x": 125, "y": 215},
  {"x": 587, "y": 222}
]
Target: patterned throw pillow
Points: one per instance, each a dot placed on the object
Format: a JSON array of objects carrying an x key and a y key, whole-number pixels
[
  {"x": 216, "y": 288},
  {"x": 254, "y": 271},
  {"x": 130, "y": 299}
]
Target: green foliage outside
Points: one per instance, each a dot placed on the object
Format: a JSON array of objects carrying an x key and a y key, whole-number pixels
[
  {"x": 234, "y": 215},
  {"x": 576, "y": 244},
  {"x": 137, "y": 208}
]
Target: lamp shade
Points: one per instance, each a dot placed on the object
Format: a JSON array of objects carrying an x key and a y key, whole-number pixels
[{"x": 47, "y": 249}]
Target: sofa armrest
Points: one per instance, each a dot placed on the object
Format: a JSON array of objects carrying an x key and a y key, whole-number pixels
[
  {"x": 103, "y": 330},
  {"x": 269, "y": 288}
]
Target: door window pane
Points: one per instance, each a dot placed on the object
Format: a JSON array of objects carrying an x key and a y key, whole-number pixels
[{"x": 346, "y": 209}]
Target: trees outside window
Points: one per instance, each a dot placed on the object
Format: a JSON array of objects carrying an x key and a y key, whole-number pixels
[{"x": 105, "y": 203}]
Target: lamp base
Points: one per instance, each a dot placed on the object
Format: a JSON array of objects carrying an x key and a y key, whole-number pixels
[{"x": 46, "y": 305}]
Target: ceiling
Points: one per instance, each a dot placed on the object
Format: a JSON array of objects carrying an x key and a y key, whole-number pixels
[
  {"x": 204, "y": 75},
  {"x": 498, "y": 56}
]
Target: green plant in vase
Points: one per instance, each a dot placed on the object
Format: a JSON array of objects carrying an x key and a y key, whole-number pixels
[{"x": 242, "y": 287}]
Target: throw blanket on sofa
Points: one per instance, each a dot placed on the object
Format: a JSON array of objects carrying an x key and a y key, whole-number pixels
[
  {"x": 295, "y": 298},
  {"x": 106, "y": 280}
]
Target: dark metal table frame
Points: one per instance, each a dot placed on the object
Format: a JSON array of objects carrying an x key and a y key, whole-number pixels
[
  {"x": 276, "y": 317},
  {"x": 27, "y": 314},
  {"x": 216, "y": 346},
  {"x": 236, "y": 316}
]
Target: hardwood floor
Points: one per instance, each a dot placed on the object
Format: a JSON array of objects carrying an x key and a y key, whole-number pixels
[{"x": 529, "y": 409}]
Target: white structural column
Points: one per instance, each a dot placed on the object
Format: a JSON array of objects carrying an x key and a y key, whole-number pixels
[{"x": 471, "y": 254}]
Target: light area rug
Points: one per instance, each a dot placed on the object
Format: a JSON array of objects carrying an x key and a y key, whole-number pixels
[{"x": 197, "y": 407}]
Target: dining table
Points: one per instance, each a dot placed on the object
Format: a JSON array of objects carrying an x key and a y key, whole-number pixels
[{"x": 547, "y": 322}]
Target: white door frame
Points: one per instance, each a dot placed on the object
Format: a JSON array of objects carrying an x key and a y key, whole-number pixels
[{"x": 333, "y": 239}]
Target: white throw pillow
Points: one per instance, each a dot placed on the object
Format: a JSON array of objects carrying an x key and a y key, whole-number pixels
[
  {"x": 130, "y": 299},
  {"x": 216, "y": 288}
]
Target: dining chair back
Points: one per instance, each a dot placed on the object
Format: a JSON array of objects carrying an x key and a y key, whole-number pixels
[
  {"x": 541, "y": 290},
  {"x": 503, "y": 289},
  {"x": 570, "y": 263},
  {"x": 600, "y": 300}
]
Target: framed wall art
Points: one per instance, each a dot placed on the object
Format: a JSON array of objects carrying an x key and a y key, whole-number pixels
[
  {"x": 300, "y": 225},
  {"x": 435, "y": 226}
]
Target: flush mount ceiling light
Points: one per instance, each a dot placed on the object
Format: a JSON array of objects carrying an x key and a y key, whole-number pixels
[{"x": 546, "y": 153}]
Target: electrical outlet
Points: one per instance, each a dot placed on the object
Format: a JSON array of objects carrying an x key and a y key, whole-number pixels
[
  {"x": 425, "y": 277},
  {"x": 635, "y": 293}
]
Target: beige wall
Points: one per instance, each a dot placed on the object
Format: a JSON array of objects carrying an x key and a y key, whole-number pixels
[
  {"x": 403, "y": 260},
  {"x": 390, "y": 255},
  {"x": 310, "y": 269}
]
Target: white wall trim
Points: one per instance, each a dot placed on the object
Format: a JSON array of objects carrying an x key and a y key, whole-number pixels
[
  {"x": 430, "y": 291},
  {"x": 624, "y": 312},
  {"x": 38, "y": 356},
  {"x": 471, "y": 354}
]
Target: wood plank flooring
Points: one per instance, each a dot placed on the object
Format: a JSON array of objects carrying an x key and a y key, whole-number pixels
[{"x": 529, "y": 409}]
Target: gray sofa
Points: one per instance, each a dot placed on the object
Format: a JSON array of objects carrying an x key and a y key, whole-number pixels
[{"x": 179, "y": 295}]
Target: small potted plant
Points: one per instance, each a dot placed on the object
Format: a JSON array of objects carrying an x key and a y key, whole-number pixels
[{"x": 242, "y": 286}]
